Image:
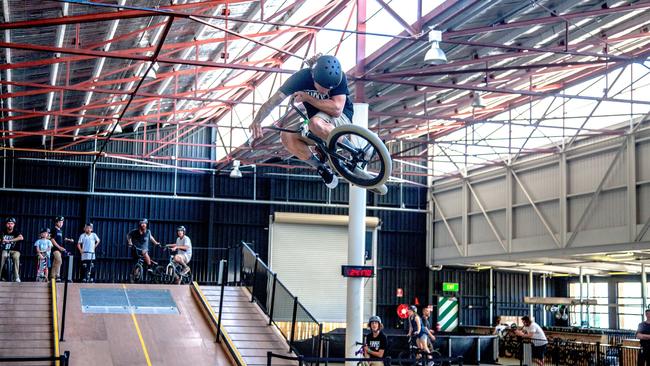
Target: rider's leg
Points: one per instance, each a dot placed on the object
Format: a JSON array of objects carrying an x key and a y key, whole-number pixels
[
  {"x": 56, "y": 265},
  {"x": 147, "y": 259},
  {"x": 2, "y": 262},
  {"x": 16, "y": 257},
  {"x": 298, "y": 147}
]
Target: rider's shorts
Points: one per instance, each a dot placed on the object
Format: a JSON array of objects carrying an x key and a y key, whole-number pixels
[
  {"x": 186, "y": 257},
  {"x": 336, "y": 121},
  {"x": 136, "y": 251}
]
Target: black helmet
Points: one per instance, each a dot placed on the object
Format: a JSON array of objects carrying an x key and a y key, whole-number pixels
[
  {"x": 10, "y": 219},
  {"x": 180, "y": 228},
  {"x": 144, "y": 221},
  {"x": 44, "y": 230},
  {"x": 374, "y": 318},
  {"x": 59, "y": 218},
  {"x": 413, "y": 308},
  {"x": 89, "y": 224},
  {"x": 327, "y": 72}
]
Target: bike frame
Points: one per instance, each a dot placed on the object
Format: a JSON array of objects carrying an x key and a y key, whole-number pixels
[{"x": 9, "y": 264}]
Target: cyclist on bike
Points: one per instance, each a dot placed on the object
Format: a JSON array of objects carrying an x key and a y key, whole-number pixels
[
  {"x": 138, "y": 239},
  {"x": 417, "y": 331},
  {"x": 183, "y": 247},
  {"x": 426, "y": 324},
  {"x": 11, "y": 236},
  {"x": 376, "y": 341},
  {"x": 323, "y": 90}
]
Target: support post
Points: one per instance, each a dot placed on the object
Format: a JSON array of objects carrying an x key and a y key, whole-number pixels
[
  {"x": 491, "y": 297},
  {"x": 65, "y": 296},
  {"x": 531, "y": 293},
  {"x": 544, "y": 294},
  {"x": 588, "y": 297},
  {"x": 644, "y": 289},
  {"x": 582, "y": 307},
  {"x": 275, "y": 280},
  {"x": 356, "y": 250},
  {"x": 224, "y": 279}
]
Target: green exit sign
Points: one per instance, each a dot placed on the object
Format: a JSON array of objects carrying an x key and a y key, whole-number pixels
[{"x": 450, "y": 286}]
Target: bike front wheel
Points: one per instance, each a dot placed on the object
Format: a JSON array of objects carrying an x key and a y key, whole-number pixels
[
  {"x": 136, "y": 274},
  {"x": 352, "y": 149},
  {"x": 405, "y": 358}
]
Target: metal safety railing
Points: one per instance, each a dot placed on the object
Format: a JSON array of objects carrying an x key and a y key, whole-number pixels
[{"x": 63, "y": 360}]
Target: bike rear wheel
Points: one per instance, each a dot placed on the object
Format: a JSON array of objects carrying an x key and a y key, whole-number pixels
[
  {"x": 406, "y": 358},
  {"x": 352, "y": 148},
  {"x": 136, "y": 274}
]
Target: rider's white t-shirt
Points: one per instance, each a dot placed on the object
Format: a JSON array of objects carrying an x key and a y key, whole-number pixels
[
  {"x": 187, "y": 242},
  {"x": 88, "y": 243}
]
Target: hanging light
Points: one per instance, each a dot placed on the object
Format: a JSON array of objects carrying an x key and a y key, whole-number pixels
[
  {"x": 435, "y": 55},
  {"x": 235, "y": 172},
  {"x": 477, "y": 101}
]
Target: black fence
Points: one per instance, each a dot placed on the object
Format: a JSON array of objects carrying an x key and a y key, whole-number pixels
[
  {"x": 560, "y": 352},
  {"x": 64, "y": 359},
  {"x": 301, "y": 330}
]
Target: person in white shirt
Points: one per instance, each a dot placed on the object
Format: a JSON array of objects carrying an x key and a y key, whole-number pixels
[
  {"x": 537, "y": 337},
  {"x": 183, "y": 246},
  {"x": 86, "y": 245}
]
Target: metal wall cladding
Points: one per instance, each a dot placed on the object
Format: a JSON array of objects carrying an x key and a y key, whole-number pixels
[
  {"x": 643, "y": 161},
  {"x": 610, "y": 212},
  {"x": 414, "y": 283},
  {"x": 526, "y": 223},
  {"x": 28, "y": 174},
  {"x": 541, "y": 184},
  {"x": 451, "y": 203},
  {"x": 442, "y": 237},
  {"x": 491, "y": 194},
  {"x": 585, "y": 173},
  {"x": 480, "y": 230},
  {"x": 643, "y": 208}
]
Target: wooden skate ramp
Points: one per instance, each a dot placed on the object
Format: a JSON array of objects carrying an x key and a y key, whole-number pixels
[{"x": 183, "y": 339}]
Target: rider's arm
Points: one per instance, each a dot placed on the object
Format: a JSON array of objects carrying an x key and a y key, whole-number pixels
[
  {"x": 419, "y": 325},
  {"x": 97, "y": 241},
  {"x": 333, "y": 106},
  {"x": 376, "y": 354},
  {"x": 264, "y": 111},
  {"x": 57, "y": 245},
  {"x": 153, "y": 240},
  {"x": 128, "y": 239},
  {"x": 18, "y": 238}
]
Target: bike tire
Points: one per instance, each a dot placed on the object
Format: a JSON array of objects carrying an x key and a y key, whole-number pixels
[
  {"x": 344, "y": 168},
  {"x": 136, "y": 274},
  {"x": 405, "y": 358},
  {"x": 187, "y": 279}
]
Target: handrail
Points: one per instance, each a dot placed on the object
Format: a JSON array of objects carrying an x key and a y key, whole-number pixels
[
  {"x": 205, "y": 306},
  {"x": 387, "y": 360},
  {"x": 270, "y": 307},
  {"x": 55, "y": 321},
  {"x": 64, "y": 359}
]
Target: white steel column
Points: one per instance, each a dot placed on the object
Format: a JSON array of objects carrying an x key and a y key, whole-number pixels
[
  {"x": 544, "y": 294},
  {"x": 356, "y": 250},
  {"x": 531, "y": 293},
  {"x": 644, "y": 290}
]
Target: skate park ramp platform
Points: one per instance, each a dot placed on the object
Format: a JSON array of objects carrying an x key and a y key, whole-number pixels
[{"x": 137, "y": 325}]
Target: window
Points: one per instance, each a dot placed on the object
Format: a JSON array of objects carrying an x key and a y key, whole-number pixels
[
  {"x": 597, "y": 315},
  {"x": 630, "y": 310}
]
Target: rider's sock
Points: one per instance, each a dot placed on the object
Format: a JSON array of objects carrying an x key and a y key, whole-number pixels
[{"x": 314, "y": 162}]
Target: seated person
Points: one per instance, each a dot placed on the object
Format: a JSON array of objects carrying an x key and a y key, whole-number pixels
[
  {"x": 10, "y": 237},
  {"x": 183, "y": 246},
  {"x": 376, "y": 341}
]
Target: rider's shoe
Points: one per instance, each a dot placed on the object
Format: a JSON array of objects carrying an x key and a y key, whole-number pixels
[
  {"x": 330, "y": 179},
  {"x": 381, "y": 190},
  {"x": 17, "y": 279},
  {"x": 185, "y": 271}
]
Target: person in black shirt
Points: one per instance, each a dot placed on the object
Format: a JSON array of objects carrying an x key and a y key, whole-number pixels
[
  {"x": 10, "y": 237},
  {"x": 323, "y": 90},
  {"x": 376, "y": 341},
  {"x": 139, "y": 239},
  {"x": 643, "y": 334},
  {"x": 58, "y": 247}
]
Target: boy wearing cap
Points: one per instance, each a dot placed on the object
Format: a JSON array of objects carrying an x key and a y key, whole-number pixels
[
  {"x": 376, "y": 341},
  {"x": 43, "y": 248},
  {"x": 10, "y": 239}
]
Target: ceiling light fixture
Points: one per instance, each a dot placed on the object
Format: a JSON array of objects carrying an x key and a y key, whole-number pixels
[{"x": 435, "y": 55}]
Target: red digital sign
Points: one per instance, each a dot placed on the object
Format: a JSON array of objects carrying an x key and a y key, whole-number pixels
[{"x": 357, "y": 271}]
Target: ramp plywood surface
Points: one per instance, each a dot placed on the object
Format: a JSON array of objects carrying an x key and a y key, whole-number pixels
[
  {"x": 26, "y": 320},
  {"x": 183, "y": 339},
  {"x": 248, "y": 326}
]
